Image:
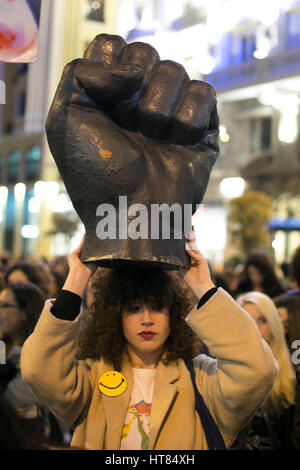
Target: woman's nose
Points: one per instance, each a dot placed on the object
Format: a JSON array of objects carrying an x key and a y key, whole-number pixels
[{"x": 147, "y": 316}]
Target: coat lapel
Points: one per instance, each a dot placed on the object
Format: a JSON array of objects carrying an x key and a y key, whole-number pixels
[
  {"x": 165, "y": 391},
  {"x": 115, "y": 409}
]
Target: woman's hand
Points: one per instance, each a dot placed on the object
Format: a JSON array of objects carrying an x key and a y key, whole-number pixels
[
  {"x": 80, "y": 273},
  {"x": 76, "y": 264},
  {"x": 198, "y": 275}
]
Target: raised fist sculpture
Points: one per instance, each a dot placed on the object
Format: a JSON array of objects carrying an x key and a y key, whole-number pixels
[{"x": 126, "y": 127}]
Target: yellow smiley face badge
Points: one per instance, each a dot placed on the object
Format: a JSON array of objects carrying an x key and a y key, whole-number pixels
[{"x": 112, "y": 383}]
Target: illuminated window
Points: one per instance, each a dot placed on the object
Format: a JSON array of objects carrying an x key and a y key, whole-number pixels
[
  {"x": 32, "y": 163},
  {"x": 13, "y": 164},
  {"x": 95, "y": 10},
  {"x": 260, "y": 134},
  {"x": 266, "y": 133}
]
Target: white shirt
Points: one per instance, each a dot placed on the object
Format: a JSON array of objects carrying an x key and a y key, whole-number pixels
[{"x": 136, "y": 429}]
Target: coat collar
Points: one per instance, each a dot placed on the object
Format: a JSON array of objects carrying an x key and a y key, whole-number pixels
[
  {"x": 165, "y": 390},
  {"x": 115, "y": 408}
]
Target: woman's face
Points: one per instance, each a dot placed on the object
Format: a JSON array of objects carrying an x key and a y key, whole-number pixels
[
  {"x": 11, "y": 315},
  {"x": 255, "y": 276},
  {"x": 260, "y": 321},
  {"x": 17, "y": 276},
  {"x": 146, "y": 330}
]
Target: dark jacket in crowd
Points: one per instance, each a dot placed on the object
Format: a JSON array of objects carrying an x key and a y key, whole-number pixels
[{"x": 269, "y": 430}]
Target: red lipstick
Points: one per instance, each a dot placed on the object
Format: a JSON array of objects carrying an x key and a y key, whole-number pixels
[{"x": 147, "y": 335}]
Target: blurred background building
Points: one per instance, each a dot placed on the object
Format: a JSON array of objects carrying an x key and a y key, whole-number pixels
[
  {"x": 36, "y": 215},
  {"x": 248, "y": 50}
]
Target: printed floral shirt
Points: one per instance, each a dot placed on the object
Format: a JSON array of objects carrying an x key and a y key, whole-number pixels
[{"x": 136, "y": 429}]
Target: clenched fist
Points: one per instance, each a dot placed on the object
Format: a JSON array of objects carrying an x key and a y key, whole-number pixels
[{"x": 124, "y": 123}]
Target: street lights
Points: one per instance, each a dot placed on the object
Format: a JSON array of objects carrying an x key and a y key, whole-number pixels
[{"x": 232, "y": 187}]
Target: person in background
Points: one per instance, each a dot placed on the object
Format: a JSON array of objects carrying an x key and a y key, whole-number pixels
[
  {"x": 259, "y": 276},
  {"x": 271, "y": 426},
  {"x": 218, "y": 278},
  {"x": 60, "y": 265},
  {"x": 4, "y": 263},
  {"x": 55, "y": 283},
  {"x": 2, "y": 281},
  {"x": 20, "y": 306},
  {"x": 4, "y": 259},
  {"x": 26, "y": 271},
  {"x": 288, "y": 306},
  {"x": 232, "y": 277},
  {"x": 294, "y": 271},
  {"x": 15, "y": 434},
  {"x": 284, "y": 268}
]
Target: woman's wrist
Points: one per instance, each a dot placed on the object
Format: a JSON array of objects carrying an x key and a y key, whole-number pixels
[
  {"x": 77, "y": 280},
  {"x": 200, "y": 289}
]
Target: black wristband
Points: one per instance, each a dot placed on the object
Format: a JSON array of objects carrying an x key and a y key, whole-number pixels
[
  {"x": 66, "y": 306},
  {"x": 207, "y": 296}
]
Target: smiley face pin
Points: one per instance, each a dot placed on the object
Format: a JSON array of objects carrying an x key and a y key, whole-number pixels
[{"x": 112, "y": 383}]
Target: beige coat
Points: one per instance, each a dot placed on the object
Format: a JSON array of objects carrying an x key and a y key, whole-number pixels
[{"x": 233, "y": 386}]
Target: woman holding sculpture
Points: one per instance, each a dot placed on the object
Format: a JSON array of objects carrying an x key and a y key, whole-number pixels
[
  {"x": 125, "y": 123},
  {"x": 138, "y": 393}
]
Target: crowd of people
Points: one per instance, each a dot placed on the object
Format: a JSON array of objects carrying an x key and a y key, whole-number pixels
[
  {"x": 273, "y": 302},
  {"x": 24, "y": 287}
]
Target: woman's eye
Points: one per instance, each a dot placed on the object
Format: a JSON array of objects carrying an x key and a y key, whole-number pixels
[
  {"x": 156, "y": 308},
  {"x": 262, "y": 320},
  {"x": 134, "y": 308}
]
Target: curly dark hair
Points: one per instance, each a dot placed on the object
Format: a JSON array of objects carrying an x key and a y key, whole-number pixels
[
  {"x": 294, "y": 268},
  {"x": 114, "y": 290},
  {"x": 270, "y": 285}
]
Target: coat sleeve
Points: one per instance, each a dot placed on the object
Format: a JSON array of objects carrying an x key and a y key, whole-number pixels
[
  {"x": 50, "y": 369},
  {"x": 246, "y": 369}
]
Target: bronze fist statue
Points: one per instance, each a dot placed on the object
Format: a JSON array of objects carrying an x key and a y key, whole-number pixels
[{"x": 131, "y": 134}]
